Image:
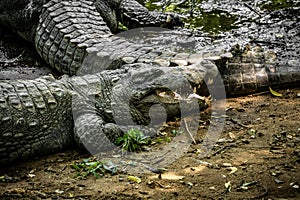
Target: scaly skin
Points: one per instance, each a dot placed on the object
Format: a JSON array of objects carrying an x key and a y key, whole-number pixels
[
  {"x": 45, "y": 115},
  {"x": 37, "y": 115},
  {"x": 65, "y": 32},
  {"x": 27, "y": 107},
  {"x": 65, "y": 39}
]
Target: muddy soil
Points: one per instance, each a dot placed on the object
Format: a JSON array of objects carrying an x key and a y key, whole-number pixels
[{"x": 257, "y": 156}]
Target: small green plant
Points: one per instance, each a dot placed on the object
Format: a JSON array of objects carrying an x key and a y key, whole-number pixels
[
  {"x": 122, "y": 27},
  {"x": 133, "y": 140},
  {"x": 163, "y": 139},
  {"x": 176, "y": 132},
  {"x": 91, "y": 167}
]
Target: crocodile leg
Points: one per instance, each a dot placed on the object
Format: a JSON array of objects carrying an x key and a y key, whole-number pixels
[
  {"x": 26, "y": 108},
  {"x": 40, "y": 116},
  {"x": 133, "y": 15},
  {"x": 96, "y": 136},
  {"x": 91, "y": 131},
  {"x": 64, "y": 39}
]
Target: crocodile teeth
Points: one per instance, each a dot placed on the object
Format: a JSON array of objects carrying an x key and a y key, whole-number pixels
[
  {"x": 170, "y": 94},
  {"x": 177, "y": 96},
  {"x": 195, "y": 96},
  {"x": 180, "y": 62},
  {"x": 162, "y": 94},
  {"x": 162, "y": 62},
  {"x": 210, "y": 81}
]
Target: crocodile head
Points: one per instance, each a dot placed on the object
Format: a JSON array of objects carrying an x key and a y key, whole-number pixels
[{"x": 162, "y": 92}]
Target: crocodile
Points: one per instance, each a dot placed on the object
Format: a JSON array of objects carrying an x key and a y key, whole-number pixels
[
  {"x": 64, "y": 34},
  {"x": 36, "y": 115},
  {"x": 64, "y": 43},
  {"x": 27, "y": 107}
]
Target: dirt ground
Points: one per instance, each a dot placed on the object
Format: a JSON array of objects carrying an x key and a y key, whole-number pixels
[{"x": 256, "y": 157}]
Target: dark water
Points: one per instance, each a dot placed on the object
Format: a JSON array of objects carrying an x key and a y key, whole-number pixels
[
  {"x": 217, "y": 16},
  {"x": 195, "y": 17}
]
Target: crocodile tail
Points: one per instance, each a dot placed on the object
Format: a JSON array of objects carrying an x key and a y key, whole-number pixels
[{"x": 65, "y": 30}]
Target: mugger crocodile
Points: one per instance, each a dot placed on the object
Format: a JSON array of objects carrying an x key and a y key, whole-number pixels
[
  {"x": 36, "y": 115},
  {"x": 64, "y": 34},
  {"x": 39, "y": 116}
]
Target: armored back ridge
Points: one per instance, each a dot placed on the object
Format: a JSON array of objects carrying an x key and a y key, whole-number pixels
[
  {"x": 35, "y": 118},
  {"x": 77, "y": 38}
]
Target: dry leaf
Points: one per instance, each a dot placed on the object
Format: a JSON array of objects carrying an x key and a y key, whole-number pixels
[
  {"x": 227, "y": 164},
  {"x": 228, "y": 186},
  {"x": 134, "y": 179},
  {"x": 232, "y": 169},
  {"x": 277, "y": 94}
]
